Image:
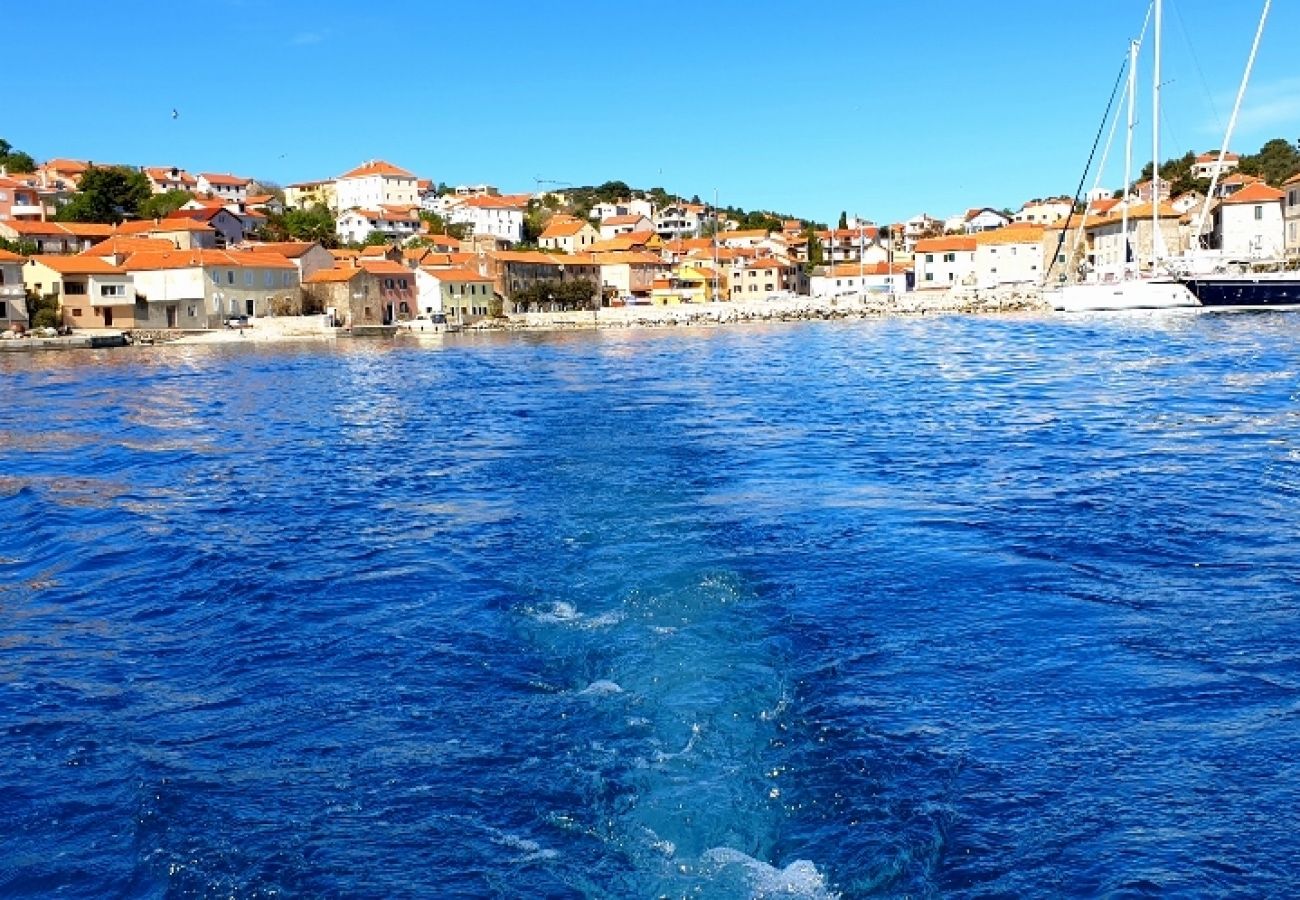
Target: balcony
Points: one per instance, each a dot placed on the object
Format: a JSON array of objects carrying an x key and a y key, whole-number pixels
[
  {"x": 26, "y": 210},
  {"x": 11, "y": 290}
]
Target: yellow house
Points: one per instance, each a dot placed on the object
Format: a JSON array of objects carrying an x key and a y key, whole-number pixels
[
  {"x": 687, "y": 284},
  {"x": 306, "y": 194}
]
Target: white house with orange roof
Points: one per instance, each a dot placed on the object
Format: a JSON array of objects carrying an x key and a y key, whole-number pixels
[
  {"x": 986, "y": 218},
  {"x": 230, "y": 188},
  {"x": 945, "y": 262},
  {"x": 764, "y": 278},
  {"x": 374, "y": 184},
  {"x": 1208, "y": 163},
  {"x": 1044, "y": 211},
  {"x": 1009, "y": 256},
  {"x": 851, "y": 279},
  {"x": 632, "y": 207},
  {"x": 1291, "y": 214},
  {"x": 460, "y": 293},
  {"x": 356, "y": 225},
  {"x": 567, "y": 233},
  {"x": 202, "y": 288},
  {"x": 498, "y": 217},
  {"x": 682, "y": 220},
  {"x": 169, "y": 178},
  {"x": 628, "y": 223},
  {"x": 1249, "y": 224}
]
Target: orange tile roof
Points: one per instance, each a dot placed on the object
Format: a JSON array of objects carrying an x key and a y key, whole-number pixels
[
  {"x": 628, "y": 258},
  {"x": 852, "y": 270},
  {"x": 1213, "y": 156},
  {"x": 435, "y": 260},
  {"x": 334, "y": 276},
  {"x": 157, "y": 260},
  {"x": 121, "y": 243},
  {"x": 457, "y": 275},
  {"x": 1294, "y": 179},
  {"x": 564, "y": 226},
  {"x": 1241, "y": 178},
  {"x": 945, "y": 244},
  {"x": 59, "y": 229},
  {"x": 384, "y": 267},
  {"x": 287, "y": 249},
  {"x": 535, "y": 257},
  {"x": 377, "y": 167},
  {"x": 622, "y": 220},
  {"x": 169, "y": 226},
  {"x": 769, "y": 263},
  {"x": 344, "y": 253},
  {"x": 1256, "y": 192},
  {"x": 219, "y": 178},
  {"x": 751, "y": 234},
  {"x": 6, "y": 256},
  {"x": 513, "y": 201},
  {"x": 1015, "y": 233},
  {"x": 78, "y": 265}
]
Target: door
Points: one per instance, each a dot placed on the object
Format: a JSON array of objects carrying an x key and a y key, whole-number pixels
[
  {"x": 108, "y": 317},
  {"x": 171, "y": 316},
  {"x": 249, "y": 306}
]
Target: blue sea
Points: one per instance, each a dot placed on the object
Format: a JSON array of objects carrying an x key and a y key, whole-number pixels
[{"x": 959, "y": 607}]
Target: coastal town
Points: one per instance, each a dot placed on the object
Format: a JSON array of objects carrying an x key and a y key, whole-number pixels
[{"x": 380, "y": 246}]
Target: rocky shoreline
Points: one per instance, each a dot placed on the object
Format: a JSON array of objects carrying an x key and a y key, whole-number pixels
[{"x": 795, "y": 309}]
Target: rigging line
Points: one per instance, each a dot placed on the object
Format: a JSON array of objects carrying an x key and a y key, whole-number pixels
[
  {"x": 1196, "y": 61},
  {"x": 1101, "y": 129},
  {"x": 1101, "y": 171}
]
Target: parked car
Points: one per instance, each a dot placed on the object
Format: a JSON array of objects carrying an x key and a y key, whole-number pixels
[{"x": 237, "y": 322}]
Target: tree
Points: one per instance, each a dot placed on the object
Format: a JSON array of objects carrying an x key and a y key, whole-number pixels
[
  {"x": 261, "y": 187},
  {"x": 15, "y": 161},
  {"x": 816, "y": 255},
  {"x": 376, "y": 239},
  {"x": 21, "y": 247},
  {"x": 844, "y": 221},
  {"x": 159, "y": 206},
  {"x": 1275, "y": 162},
  {"x": 316, "y": 223},
  {"x": 107, "y": 194},
  {"x": 612, "y": 192}
]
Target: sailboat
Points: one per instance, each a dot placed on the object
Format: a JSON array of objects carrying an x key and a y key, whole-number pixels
[
  {"x": 1220, "y": 281},
  {"x": 1128, "y": 288}
]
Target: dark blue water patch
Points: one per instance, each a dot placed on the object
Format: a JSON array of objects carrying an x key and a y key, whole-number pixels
[{"x": 968, "y": 607}]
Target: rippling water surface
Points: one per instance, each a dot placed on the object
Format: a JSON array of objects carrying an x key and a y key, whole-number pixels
[{"x": 964, "y": 607}]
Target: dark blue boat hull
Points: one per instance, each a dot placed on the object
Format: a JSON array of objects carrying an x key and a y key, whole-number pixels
[{"x": 1245, "y": 291}]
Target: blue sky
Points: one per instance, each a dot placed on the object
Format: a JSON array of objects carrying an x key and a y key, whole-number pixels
[{"x": 883, "y": 109}]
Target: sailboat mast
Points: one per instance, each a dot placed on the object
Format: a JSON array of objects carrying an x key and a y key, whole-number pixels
[
  {"x": 1232, "y": 123},
  {"x": 1155, "y": 142},
  {"x": 1128, "y": 143}
]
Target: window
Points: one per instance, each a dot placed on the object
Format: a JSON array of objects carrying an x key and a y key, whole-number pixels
[
  {"x": 74, "y": 289},
  {"x": 230, "y": 276},
  {"x": 112, "y": 290},
  {"x": 76, "y": 313},
  {"x": 248, "y": 279},
  {"x": 1259, "y": 213},
  {"x": 216, "y": 277},
  {"x": 4, "y": 310},
  {"x": 929, "y": 276},
  {"x": 404, "y": 284},
  {"x": 288, "y": 279},
  {"x": 929, "y": 257},
  {"x": 191, "y": 311},
  {"x": 950, "y": 257},
  {"x": 268, "y": 279}
]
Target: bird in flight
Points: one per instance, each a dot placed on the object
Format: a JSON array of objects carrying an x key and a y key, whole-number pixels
[{"x": 175, "y": 114}]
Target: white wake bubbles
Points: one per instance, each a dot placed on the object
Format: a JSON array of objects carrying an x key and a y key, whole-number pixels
[
  {"x": 562, "y": 612},
  {"x": 601, "y": 688},
  {"x": 799, "y": 879}
]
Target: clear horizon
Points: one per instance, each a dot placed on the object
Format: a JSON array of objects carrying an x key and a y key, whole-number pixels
[{"x": 932, "y": 111}]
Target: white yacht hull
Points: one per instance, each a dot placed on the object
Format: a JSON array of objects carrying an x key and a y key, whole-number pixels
[{"x": 1135, "y": 294}]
